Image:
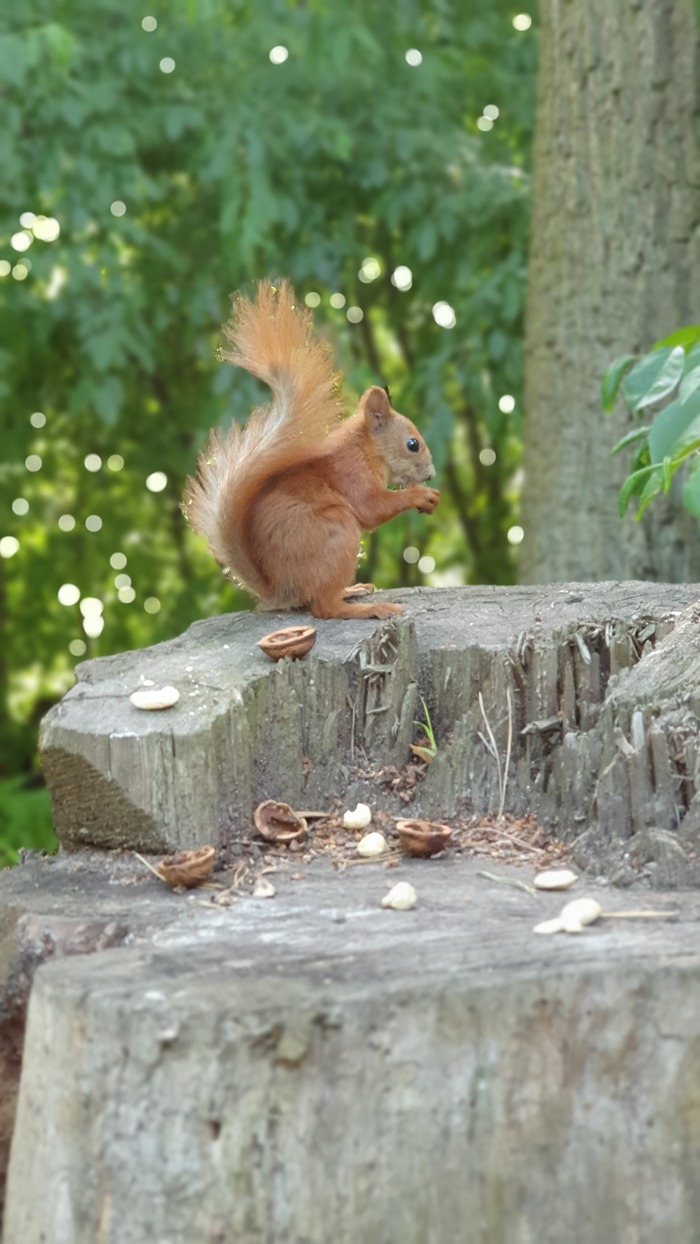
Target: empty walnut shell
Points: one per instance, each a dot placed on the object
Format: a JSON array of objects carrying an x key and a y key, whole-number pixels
[
  {"x": 277, "y": 822},
  {"x": 290, "y": 641},
  {"x": 423, "y": 837},
  {"x": 187, "y": 868}
]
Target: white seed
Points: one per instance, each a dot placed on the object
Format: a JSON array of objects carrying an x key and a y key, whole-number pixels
[
  {"x": 158, "y": 697},
  {"x": 359, "y": 818},
  {"x": 372, "y": 844},
  {"x": 554, "y": 879},
  {"x": 581, "y": 911},
  {"x": 572, "y": 917},
  {"x": 401, "y": 897},
  {"x": 549, "y": 926}
]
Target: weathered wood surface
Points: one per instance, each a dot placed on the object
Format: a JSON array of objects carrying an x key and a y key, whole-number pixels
[
  {"x": 313, "y": 1067},
  {"x": 604, "y": 722}
]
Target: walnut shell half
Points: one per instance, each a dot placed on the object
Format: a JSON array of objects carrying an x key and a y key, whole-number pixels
[
  {"x": 187, "y": 868},
  {"x": 423, "y": 837},
  {"x": 277, "y": 822},
  {"x": 290, "y": 641}
]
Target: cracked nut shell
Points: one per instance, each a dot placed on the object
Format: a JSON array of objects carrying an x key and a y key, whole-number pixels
[
  {"x": 277, "y": 822},
  {"x": 187, "y": 868},
  {"x": 423, "y": 837},
  {"x": 289, "y": 641}
]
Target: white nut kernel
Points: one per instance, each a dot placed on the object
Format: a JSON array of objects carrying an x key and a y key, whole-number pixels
[
  {"x": 372, "y": 844},
  {"x": 554, "y": 879},
  {"x": 581, "y": 911},
  {"x": 359, "y": 818},
  {"x": 549, "y": 926},
  {"x": 401, "y": 897},
  {"x": 156, "y": 697}
]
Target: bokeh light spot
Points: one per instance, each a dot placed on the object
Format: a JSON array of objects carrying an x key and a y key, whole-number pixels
[
  {"x": 414, "y": 57},
  {"x": 506, "y": 403},
  {"x": 487, "y": 457},
  {"x": 313, "y": 299},
  {"x": 355, "y": 314},
  {"x": 33, "y": 462},
  {"x": 117, "y": 561},
  {"x": 522, "y": 21},
  {"x": 118, "y": 208},
  {"x": 426, "y": 565},
  {"x": 37, "y": 420},
  {"x": 20, "y": 506},
  {"x": 279, "y": 54},
  {"x": 115, "y": 462},
  {"x": 157, "y": 481},
  {"x": 93, "y": 522},
  {"x": 148, "y": 24},
  {"x": 152, "y": 604},
  {"x": 93, "y": 462},
  {"x": 337, "y": 301},
  {"x": 68, "y": 594},
  {"x": 77, "y": 647},
  {"x": 411, "y": 555},
  {"x": 9, "y": 545},
  {"x": 167, "y": 64},
  {"x": 66, "y": 522},
  {"x": 402, "y": 277},
  {"x": 444, "y": 315},
  {"x": 516, "y": 535}
]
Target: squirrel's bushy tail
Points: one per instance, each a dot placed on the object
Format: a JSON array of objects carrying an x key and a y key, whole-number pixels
[{"x": 273, "y": 339}]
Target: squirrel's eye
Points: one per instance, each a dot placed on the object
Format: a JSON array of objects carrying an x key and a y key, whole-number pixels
[{"x": 412, "y": 444}]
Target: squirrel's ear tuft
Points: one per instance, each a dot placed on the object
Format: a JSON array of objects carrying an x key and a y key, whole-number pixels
[{"x": 376, "y": 407}]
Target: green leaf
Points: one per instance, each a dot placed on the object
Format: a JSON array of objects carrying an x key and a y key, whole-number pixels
[
  {"x": 635, "y": 435},
  {"x": 633, "y": 486},
  {"x": 653, "y": 377},
  {"x": 671, "y": 424},
  {"x": 689, "y": 384},
  {"x": 611, "y": 380},
  {"x": 691, "y": 490},
  {"x": 653, "y": 486},
  {"x": 685, "y": 337}
]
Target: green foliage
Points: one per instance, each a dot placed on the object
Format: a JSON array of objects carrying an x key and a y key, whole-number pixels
[
  {"x": 174, "y": 184},
  {"x": 661, "y": 447},
  {"x": 25, "y": 819}
]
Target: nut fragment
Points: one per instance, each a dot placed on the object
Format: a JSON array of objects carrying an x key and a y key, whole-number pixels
[
  {"x": 572, "y": 917},
  {"x": 554, "y": 879},
  {"x": 264, "y": 888},
  {"x": 289, "y": 641},
  {"x": 187, "y": 868},
  {"x": 277, "y": 822},
  {"x": 359, "y": 818},
  {"x": 581, "y": 911},
  {"x": 423, "y": 837},
  {"x": 372, "y": 844},
  {"x": 401, "y": 897},
  {"x": 155, "y": 697}
]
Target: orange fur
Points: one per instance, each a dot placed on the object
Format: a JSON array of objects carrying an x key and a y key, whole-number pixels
[{"x": 283, "y": 502}]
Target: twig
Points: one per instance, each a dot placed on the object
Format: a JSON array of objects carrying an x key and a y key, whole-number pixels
[
  {"x": 508, "y": 747},
  {"x": 639, "y": 915},
  {"x": 519, "y": 885},
  {"x": 151, "y": 868},
  {"x": 489, "y": 731}
]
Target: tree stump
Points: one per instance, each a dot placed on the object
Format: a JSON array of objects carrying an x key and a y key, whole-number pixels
[
  {"x": 600, "y": 738},
  {"x": 219, "y": 1065}
]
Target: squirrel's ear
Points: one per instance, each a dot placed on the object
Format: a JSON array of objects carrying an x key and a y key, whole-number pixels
[{"x": 376, "y": 407}]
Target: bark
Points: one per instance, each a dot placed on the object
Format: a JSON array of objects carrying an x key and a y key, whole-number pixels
[{"x": 614, "y": 266}]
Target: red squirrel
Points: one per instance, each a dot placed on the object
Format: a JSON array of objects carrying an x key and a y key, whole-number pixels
[{"x": 283, "y": 501}]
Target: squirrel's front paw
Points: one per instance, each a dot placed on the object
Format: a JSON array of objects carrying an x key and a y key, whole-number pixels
[{"x": 428, "y": 500}]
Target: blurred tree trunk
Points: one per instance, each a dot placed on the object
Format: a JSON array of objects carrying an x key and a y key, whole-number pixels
[{"x": 614, "y": 265}]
